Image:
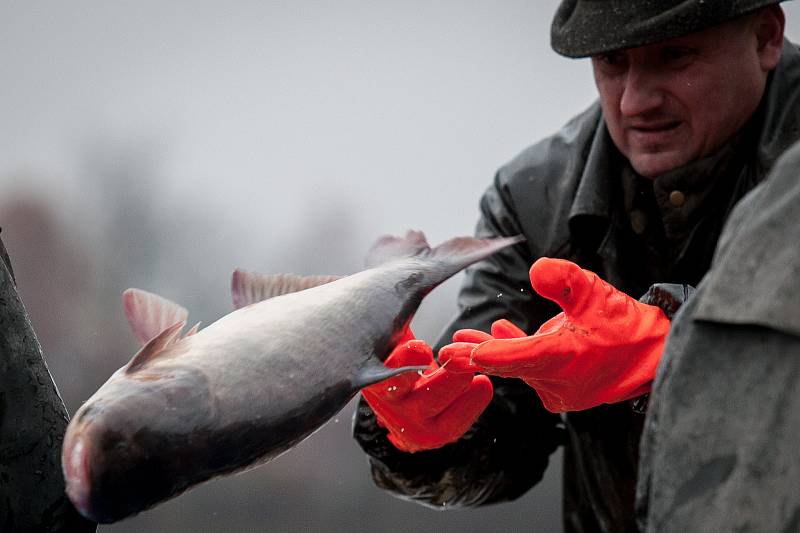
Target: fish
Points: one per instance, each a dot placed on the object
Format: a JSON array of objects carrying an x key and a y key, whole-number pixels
[{"x": 234, "y": 395}]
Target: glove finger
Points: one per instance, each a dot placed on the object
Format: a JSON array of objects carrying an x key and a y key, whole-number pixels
[
  {"x": 464, "y": 410},
  {"x": 536, "y": 356},
  {"x": 410, "y": 353},
  {"x": 416, "y": 435},
  {"x": 455, "y": 357},
  {"x": 389, "y": 415},
  {"x": 505, "y": 329},
  {"x": 433, "y": 392},
  {"x": 471, "y": 335},
  {"x": 563, "y": 282}
]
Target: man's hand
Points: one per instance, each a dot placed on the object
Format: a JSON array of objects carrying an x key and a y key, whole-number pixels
[
  {"x": 428, "y": 410},
  {"x": 603, "y": 348}
]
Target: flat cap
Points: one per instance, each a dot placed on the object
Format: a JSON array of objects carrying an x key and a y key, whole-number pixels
[{"x": 583, "y": 28}]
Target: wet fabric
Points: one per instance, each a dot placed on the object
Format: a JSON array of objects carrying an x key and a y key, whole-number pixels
[
  {"x": 583, "y": 28},
  {"x": 565, "y": 195},
  {"x": 719, "y": 451},
  {"x": 32, "y": 423}
]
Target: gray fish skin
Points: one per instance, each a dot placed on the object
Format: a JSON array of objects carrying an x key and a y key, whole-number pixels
[{"x": 251, "y": 385}]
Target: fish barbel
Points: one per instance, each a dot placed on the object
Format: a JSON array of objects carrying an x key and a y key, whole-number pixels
[{"x": 251, "y": 385}]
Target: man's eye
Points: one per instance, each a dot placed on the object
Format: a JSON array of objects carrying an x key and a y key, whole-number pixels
[
  {"x": 612, "y": 59},
  {"x": 676, "y": 54}
]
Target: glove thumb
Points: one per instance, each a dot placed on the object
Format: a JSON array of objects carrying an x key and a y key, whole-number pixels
[{"x": 563, "y": 282}]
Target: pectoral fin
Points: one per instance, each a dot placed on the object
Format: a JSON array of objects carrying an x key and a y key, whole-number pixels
[
  {"x": 156, "y": 345},
  {"x": 374, "y": 372}
]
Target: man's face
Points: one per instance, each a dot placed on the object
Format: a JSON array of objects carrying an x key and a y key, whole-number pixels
[{"x": 672, "y": 102}]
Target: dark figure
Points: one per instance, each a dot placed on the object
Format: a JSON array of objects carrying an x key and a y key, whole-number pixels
[
  {"x": 719, "y": 451},
  {"x": 32, "y": 424}
]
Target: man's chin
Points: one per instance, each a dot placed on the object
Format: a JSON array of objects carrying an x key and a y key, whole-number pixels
[{"x": 652, "y": 165}]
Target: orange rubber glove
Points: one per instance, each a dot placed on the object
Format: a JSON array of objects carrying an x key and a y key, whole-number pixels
[
  {"x": 426, "y": 411},
  {"x": 603, "y": 348}
]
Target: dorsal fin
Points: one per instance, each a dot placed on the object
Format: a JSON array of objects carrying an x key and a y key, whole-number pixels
[
  {"x": 157, "y": 345},
  {"x": 249, "y": 287},
  {"x": 389, "y": 247},
  {"x": 150, "y": 314}
]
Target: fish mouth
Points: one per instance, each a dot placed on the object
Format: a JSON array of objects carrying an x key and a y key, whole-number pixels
[{"x": 75, "y": 461}]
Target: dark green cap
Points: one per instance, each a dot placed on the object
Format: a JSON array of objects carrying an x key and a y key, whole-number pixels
[{"x": 583, "y": 28}]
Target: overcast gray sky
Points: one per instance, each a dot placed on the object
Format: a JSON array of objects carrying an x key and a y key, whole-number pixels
[{"x": 258, "y": 113}]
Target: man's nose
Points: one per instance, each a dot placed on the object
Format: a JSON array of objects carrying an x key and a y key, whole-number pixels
[{"x": 642, "y": 92}]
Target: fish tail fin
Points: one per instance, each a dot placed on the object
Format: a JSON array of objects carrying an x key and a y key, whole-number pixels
[
  {"x": 390, "y": 247},
  {"x": 456, "y": 253},
  {"x": 461, "y": 252}
]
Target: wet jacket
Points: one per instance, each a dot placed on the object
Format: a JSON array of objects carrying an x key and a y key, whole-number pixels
[
  {"x": 719, "y": 452},
  {"x": 574, "y": 196},
  {"x": 32, "y": 424}
]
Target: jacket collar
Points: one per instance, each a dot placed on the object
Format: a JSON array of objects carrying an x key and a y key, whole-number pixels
[
  {"x": 781, "y": 125},
  {"x": 592, "y": 196}
]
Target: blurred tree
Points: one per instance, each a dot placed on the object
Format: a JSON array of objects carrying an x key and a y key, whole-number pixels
[{"x": 52, "y": 278}]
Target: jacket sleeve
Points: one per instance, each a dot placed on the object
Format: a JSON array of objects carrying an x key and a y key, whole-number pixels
[{"x": 507, "y": 449}]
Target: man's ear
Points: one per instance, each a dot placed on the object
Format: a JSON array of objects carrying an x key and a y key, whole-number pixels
[{"x": 769, "y": 24}]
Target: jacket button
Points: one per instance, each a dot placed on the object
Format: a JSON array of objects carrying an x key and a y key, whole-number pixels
[
  {"x": 638, "y": 221},
  {"x": 677, "y": 198}
]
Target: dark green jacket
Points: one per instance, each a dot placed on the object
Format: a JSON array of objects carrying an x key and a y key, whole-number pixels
[
  {"x": 32, "y": 424},
  {"x": 569, "y": 197},
  {"x": 720, "y": 448}
]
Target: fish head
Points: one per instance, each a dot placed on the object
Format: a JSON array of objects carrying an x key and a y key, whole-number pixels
[{"x": 128, "y": 446}]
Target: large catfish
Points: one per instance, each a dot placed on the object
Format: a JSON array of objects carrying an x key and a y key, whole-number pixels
[{"x": 252, "y": 384}]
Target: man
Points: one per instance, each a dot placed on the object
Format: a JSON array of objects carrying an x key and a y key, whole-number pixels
[{"x": 697, "y": 101}]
